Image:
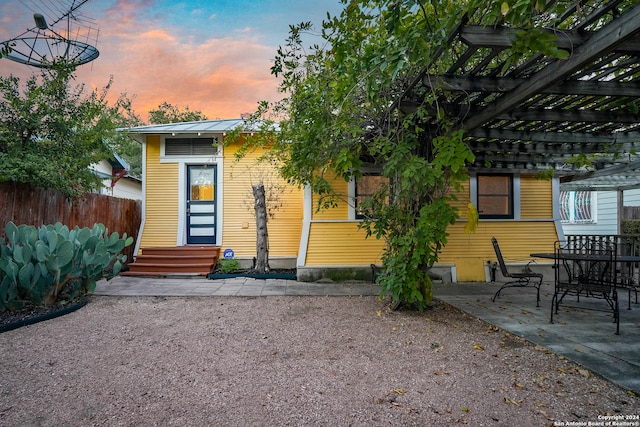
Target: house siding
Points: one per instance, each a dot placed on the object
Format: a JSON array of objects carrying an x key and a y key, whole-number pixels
[
  {"x": 469, "y": 252},
  {"x": 239, "y": 229},
  {"x": 341, "y": 243},
  {"x": 535, "y": 231},
  {"x": 632, "y": 197},
  {"x": 161, "y": 199},
  {"x": 535, "y": 198},
  {"x": 606, "y": 217},
  {"x": 335, "y": 241},
  {"x": 339, "y": 212}
]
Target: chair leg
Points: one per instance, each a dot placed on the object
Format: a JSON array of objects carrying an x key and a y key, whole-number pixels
[{"x": 616, "y": 310}]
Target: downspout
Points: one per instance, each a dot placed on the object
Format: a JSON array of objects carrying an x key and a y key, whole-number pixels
[{"x": 555, "y": 195}]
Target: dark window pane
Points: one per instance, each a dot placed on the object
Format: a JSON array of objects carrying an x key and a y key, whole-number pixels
[
  {"x": 495, "y": 196},
  {"x": 366, "y": 186}
]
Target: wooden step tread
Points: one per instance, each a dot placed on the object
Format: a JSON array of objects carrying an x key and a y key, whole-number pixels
[
  {"x": 178, "y": 257},
  {"x": 160, "y": 273}
]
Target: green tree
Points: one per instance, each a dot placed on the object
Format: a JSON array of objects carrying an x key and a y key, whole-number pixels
[
  {"x": 53, "y": 131},
  {"x": 128, "y": 148},
  {"x": 168, "y": 113},
  {"x": 338, "y": 115}
]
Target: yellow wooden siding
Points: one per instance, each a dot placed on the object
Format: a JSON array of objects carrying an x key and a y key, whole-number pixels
[
  {"x": 535, "y": 197},
  {"x": 342, "y": 243},
  {"x": 341, "y": 211},
  {"x": 517, "y": 239},
  {"x": 239, "y": 230},
  {"x": 161, "y": 199},
  {"x": 463, "y": 197}
]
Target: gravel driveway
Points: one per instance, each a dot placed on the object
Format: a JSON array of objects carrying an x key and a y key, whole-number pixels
[{"x": 288, "y": 361}]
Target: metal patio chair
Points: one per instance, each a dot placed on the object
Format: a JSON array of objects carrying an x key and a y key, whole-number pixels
[
  {"x": 587, "y": 269},
  {"x": 519, "y": 279}
]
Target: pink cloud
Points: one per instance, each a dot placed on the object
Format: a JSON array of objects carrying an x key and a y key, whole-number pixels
[{"x": 222, "y": 77}]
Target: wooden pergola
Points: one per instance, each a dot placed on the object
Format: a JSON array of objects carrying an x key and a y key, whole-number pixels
[{"x": 537, "y": 112}]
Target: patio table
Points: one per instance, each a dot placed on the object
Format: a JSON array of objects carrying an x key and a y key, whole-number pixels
[{"x": 600, "y": 283}]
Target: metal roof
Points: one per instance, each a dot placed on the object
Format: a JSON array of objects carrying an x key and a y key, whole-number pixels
[
  {"x": 204, "y": 126},
  {"x": 612, "y": 178},
  {"x": 540, "y": 112}
]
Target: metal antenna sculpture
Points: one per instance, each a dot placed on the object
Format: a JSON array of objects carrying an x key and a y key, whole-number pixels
[{"x": 45, "y": 44}]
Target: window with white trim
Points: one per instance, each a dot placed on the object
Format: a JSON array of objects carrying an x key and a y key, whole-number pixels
[
  {"x": 365, "y": 186},
  {"x": 577, "y": 207},
  {"x": 495, "y": 196},
  {"x": 191, "y": 146}
]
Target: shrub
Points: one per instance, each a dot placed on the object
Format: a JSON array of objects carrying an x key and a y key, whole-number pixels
[
  {"x": 54, "y": 264},
  {"x": 630, "y": 226},
  {"x": 230, "y": 265}
]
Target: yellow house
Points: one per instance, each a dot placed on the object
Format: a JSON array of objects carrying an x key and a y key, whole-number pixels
[{"x": 197, "y": 194}]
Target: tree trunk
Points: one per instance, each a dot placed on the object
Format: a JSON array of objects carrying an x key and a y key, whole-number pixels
[{"x": 262, "y": 235}]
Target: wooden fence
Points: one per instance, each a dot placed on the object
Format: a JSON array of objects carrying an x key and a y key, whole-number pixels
[
  {"x": 24, "y": 204},
  {"x": 631, "y": 212}
]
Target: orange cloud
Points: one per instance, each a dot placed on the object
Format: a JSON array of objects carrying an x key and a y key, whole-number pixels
[{"x": 154, "y": 63}]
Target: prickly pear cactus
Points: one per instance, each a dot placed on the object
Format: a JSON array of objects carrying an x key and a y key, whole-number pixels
[{"x": 52, "y": 262}]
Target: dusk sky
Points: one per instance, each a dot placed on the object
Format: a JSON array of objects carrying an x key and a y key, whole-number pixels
[{"x": 213, "y": 56}]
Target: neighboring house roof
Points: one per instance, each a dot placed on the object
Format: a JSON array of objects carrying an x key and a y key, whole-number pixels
[
  {"x": 118, "y": 163},
  {"x": 621, "y": 177},
  {"x": 208, "y": 126}
]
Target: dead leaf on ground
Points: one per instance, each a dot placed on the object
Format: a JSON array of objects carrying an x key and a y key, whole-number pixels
[
  {"x": 584, "y": 373},
  {"x": 477, "y": 346},
  {"x": 513, "y": 401},
  {"x": 398, "y": 390},
  {"x": 542, "y": 349}
]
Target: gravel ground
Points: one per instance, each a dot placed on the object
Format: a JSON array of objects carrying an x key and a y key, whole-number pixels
[{"x": 289, "y": 361}]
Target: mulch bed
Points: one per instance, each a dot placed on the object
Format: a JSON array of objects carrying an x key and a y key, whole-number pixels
[{"x": 32, "y": 313}]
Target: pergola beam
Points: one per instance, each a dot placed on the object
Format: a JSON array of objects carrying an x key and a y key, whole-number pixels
[
  {"x": 545, "y": 148},
  {"x": 503, "y": 37},
  {"x": 577, "y": 116},
  {"x": 557, "y": 137},
  {"x": 505, "y": 84}
]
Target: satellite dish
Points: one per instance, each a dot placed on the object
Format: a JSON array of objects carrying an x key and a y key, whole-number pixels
[{"x": 45, "y": 44}]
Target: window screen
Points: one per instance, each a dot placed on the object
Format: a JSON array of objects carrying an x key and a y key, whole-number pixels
[
  {"x": 495, "y": 196},
  {"x": 366, "y": 186}
]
